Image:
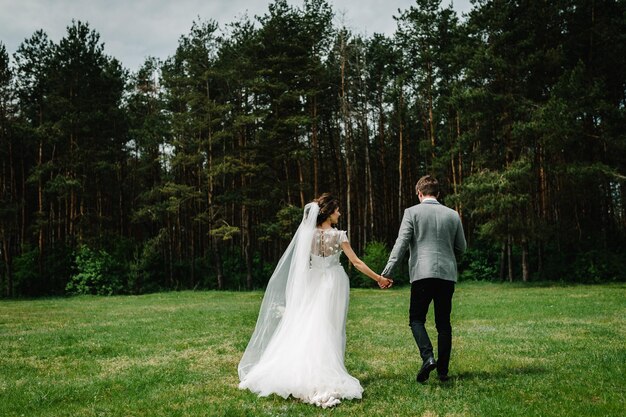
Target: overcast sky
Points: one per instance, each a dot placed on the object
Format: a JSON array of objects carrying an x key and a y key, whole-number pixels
[{"x": 135, "y": 29}]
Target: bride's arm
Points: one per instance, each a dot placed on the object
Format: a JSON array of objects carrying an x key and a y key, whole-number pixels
[{"x": 362, "y": 266}]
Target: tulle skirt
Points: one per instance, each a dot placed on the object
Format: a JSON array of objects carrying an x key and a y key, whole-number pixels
[{"x": 305, "y": 357}]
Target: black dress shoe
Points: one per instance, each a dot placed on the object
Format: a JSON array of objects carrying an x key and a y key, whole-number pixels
[
  {"x": 444, "y": 378},
  {"x": 428, "y": 365}
]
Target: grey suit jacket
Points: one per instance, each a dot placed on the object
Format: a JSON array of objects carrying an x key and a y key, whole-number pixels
[{"x": 434, "y": 235}]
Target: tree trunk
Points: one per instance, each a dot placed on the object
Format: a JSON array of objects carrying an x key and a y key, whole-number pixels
[
  {"x": 400, "y": 153},
  {"x": 370, "y": 193},
  {"x": 503, "y": 252},
  {"x": 525, "y": 266},
  {"x": 456, "y": 173},
  {"x": 122, "y": 214},
  {"x": 540, "y": 259},
  {"x": 219, "y": 268},
  {"x": 22, "y": 240},
  {"x": 192, "y": 242},
  {"x": 247, "y": 245},
  {"x": 543, "y": 184},
  {"x": 40, "y": 240},
  {"x": 431, "y": 122},
  {"x": 8, "y": 264},
  {"x": 286, "y": 166},
  {"x": 315, "y": 146},
  {"x": 510, "y": 257},
  {"x": 347, "y": 133},
  {"x": 170, "y": 250},
  {"x": 301, "y": 184}
]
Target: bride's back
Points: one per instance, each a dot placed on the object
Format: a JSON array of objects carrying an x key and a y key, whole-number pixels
[{"x": 327, "y": 242}]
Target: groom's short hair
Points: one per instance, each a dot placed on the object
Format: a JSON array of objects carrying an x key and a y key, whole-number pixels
[{"x": 428, "y": 185}]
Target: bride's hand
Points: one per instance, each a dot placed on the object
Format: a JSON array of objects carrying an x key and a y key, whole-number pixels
[{"x": 384, "y": 282}]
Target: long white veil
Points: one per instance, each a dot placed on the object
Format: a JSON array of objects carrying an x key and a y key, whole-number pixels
[{"x": 286, "y": 289}]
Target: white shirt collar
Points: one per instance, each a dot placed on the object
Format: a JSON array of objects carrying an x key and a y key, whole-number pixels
[{"x": 429, "y": 199}]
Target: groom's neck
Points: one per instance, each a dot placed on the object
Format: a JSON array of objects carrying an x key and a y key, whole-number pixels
[{"x": 427, "y": 197}]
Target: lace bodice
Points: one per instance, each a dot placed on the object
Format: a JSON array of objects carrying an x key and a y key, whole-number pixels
[{"x": 327, "y": 242}]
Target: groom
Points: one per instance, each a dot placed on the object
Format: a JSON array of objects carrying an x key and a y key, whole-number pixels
[{"x": 434, "y": 236}]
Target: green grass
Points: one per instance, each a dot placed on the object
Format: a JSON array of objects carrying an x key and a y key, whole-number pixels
[{"x": 518, "y": 351}]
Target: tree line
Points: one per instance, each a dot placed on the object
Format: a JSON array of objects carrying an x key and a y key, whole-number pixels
[{"x": 191, "y": 172}]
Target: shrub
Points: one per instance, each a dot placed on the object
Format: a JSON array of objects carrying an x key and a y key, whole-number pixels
[
  {"x": 56, "y": 266},
  {"x": 598, "y": 266},
  {"x": 26, "y": 272},
  {"x": 375, "y": 255},
  {"x": 98, "y": 273},
  {"x": 148, "y": 270},
  {"x": 234, "y": 268},
  {"x": 478, "y": 265}
]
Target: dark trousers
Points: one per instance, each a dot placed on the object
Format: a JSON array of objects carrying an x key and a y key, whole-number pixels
[{"x": 440, "y": 291}]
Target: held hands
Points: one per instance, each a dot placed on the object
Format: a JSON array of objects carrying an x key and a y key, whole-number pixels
[{"x": 384, "y": 282}]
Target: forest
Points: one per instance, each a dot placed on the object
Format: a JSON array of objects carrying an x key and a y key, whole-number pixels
[{"x": 191, "y": 172}]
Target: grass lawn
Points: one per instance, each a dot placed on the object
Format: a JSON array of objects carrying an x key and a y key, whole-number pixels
[{"x": 518, "y": 351}]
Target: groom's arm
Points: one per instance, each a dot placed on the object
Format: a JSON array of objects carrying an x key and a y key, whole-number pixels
[
  {"x": 459, "y": 241},
  {"x": 402, "y": 243}
]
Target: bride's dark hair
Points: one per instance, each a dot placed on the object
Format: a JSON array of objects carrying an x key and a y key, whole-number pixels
[{"x": 328, "y": 204}]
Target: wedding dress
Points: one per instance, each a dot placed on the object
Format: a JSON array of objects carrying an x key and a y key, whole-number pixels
[{"x": 298, "y": 345}]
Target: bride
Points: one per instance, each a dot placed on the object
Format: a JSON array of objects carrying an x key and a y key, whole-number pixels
[{"x": 298, "y": 345}]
